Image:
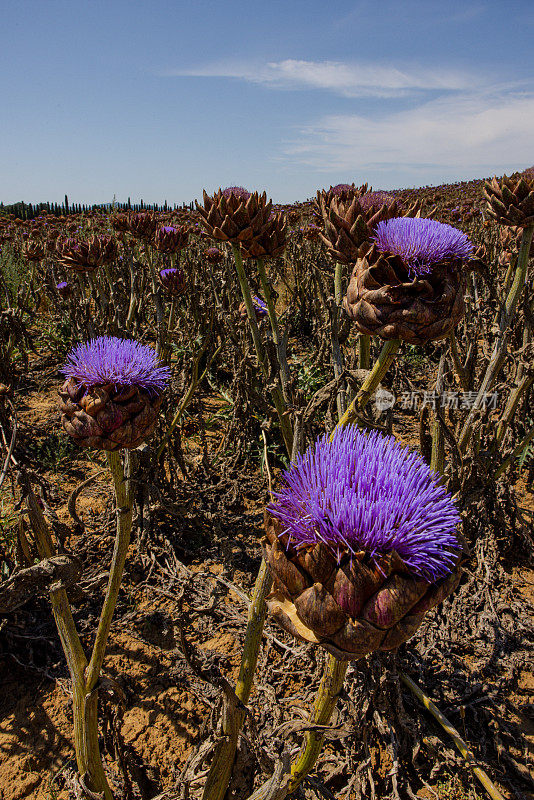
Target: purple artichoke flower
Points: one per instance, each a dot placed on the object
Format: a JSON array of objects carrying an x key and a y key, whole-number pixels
[
  {"x": 63, "y": 288},
  {"x": 237, "y": 191},
  {"x": 341, "y": 189},
  {"x": 420, "y": 243},
  {"x": 260, "y": 306},
  {"x": 121, "y": 363},
  {"x": 366, "y": 492}
]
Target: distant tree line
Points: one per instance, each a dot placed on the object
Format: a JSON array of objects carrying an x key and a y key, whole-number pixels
[{"x": 31, "y": 210}]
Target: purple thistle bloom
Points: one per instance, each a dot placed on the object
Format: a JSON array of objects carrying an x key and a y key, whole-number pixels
[
  {"x": 260, "y": 306},
  {"x": 342, "y": 188},
  {"x": 378, "y": 198},
  {"x": 168, "y": 229},
  {"x": 420, "y": 243},
  {"x": 368, "y": 492},
  {"x": 238, "y": 191},
  {"x": 120, "y": 362},
  {"x": 61, "y": 285}
]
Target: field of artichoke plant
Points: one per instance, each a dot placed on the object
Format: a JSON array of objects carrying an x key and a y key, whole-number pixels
[{"x": 266, "y": 497}]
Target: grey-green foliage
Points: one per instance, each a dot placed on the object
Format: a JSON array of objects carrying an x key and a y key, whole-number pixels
[{"x": 14, "y": 270}]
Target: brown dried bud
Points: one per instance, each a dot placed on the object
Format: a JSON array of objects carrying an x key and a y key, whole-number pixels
[
  {"x": 511, "y": 200},
  {"x": 105, "y": 418},
  {"x": 85, "y": 256},
  {"x": 349, "y": 226},
  {"x": 33, "y": 249},
  {"x": 143, "y": 225},
  {"x": 213, "y": 255},
  {"x": 351, "y": 607},
  {"x": 171, "y": 239},
  {"x": 234, "y": 218},
  {"x": 384, "y": 300},
  {"x": 271, "y": 242}
]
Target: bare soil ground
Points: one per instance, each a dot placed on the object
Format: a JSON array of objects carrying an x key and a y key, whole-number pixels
[{"x": 156, "y": 709}]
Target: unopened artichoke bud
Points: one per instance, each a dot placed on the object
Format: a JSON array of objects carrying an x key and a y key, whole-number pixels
[
  {"x": 121, "y": 222},
  {"x": 409, "y": 284},
  {"x": 344, "y": 192},
  {"x": 86, "y": 256},
  {"x": 171, "y": 239},
  {"x": 213, "y": 255},
  {"x": 235, "y": 215},
  {"x": 361, "y": 542},
  {"x": 511, "y": 200},
  {"x": 33, "y": 249},
  {"x": 112, "y": 393},
  {"x": 259, "y": 305},
  {"x": 173, "y": 281},
  {"x": 143, "y": 225},
  {"x": 271, "y": 243},
  {"x": 349, "y": 225}
]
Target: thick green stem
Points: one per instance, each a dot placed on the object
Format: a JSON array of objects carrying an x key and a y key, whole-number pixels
[
  {"x": 337, "y": 353},
  {"x": 223, "y": 759},
  {"x": 88, "y": 758},
  {"x": 364, "y": 351},
  {"x": 278, "y": 341},
  {"x": 84, "y": 702},
  {"x": 325, "y": 702},
  {"x": 500, "y": 349},
  {"x": 123, "y": 498},
  {"x": 368, "y": 387},
  {"x": 276, "y": 393}
]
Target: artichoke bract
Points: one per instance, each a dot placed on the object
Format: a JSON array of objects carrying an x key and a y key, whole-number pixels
[
  {"x": 235, "y": 215},
  {"x": 361, "y": 542},
  {"x": 409, "y": 283},
  {"x": 511, "y": 200},
  {"x": 86, "y": 256},
  {"x": 173, "y": 281},
  {"x": 171, "y": 239},
  {"x": 112, "y": 393}
]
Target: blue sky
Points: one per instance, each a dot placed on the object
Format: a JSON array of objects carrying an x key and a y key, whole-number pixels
[{"x": 159, "y": 99}]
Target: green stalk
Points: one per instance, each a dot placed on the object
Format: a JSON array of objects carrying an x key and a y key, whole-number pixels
[
  {"x": 278, "y": 398},
  {"x": 223, "y": 759},
  {"x": 364, "y": 351},
  {"x": 498, "y": 356},
  {"x": 368, "y": 387},
  {"x": 325, "y": 702},
  {"x": 279, "y": 344},
  {"x": 84, "y": 702},
  {"x": 124, "y": 507},
  {"x": 337, "y": 353}
]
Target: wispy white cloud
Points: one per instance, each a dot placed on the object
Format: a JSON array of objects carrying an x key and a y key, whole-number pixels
[
  {"x": 464, "y": 132},
  {"x": 348, "y": 79}
]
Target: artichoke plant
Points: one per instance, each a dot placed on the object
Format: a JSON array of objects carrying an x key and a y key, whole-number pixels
[
  {"x": 112, "y": 393},
  {"x": 511, "y": 200},
  {"x": 86, "y": 256},
  {"x": 409, "y": 284},
  {"x": 361, "y": 542}
]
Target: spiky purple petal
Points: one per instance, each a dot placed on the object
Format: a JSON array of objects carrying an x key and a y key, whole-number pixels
[
  {"x": 260, "y": 306},
  {"x": 238, "y": 191},
  {"x": 121, "y": 362},
  {"x": 367, "y": 492},
  {"x": 420, "y": 243}
]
